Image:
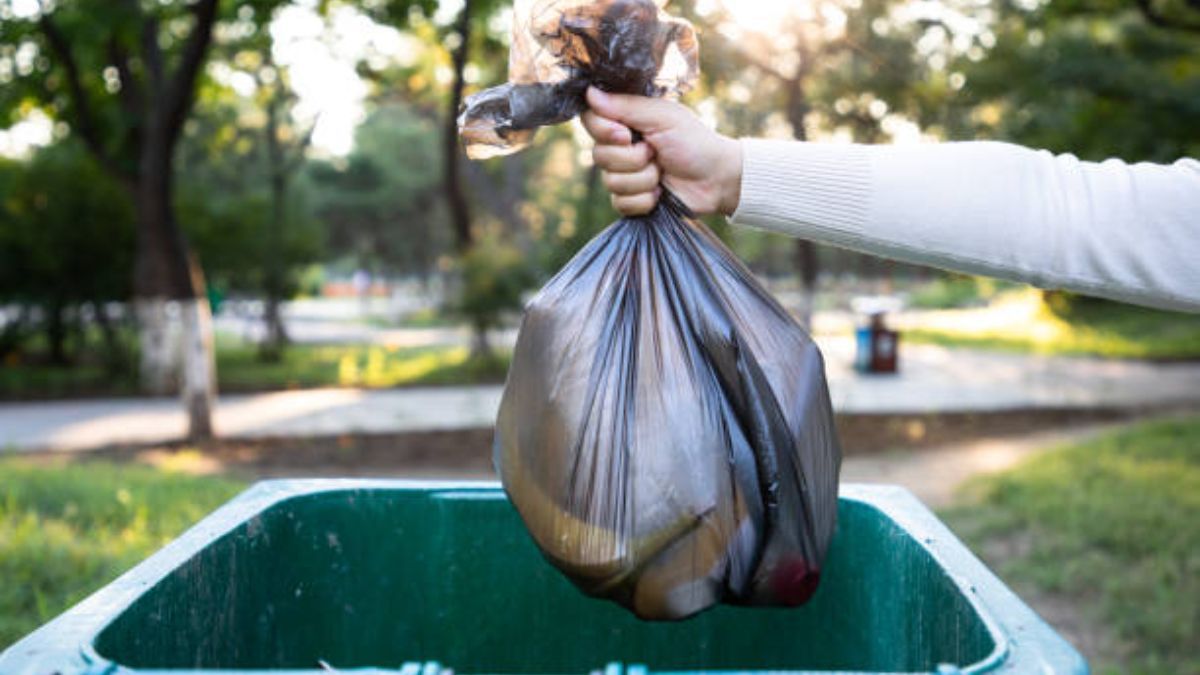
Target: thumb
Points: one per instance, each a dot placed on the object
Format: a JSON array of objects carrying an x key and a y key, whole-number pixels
[{"x": 640, "y": 113}]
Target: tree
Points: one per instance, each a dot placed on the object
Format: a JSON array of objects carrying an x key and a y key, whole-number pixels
[
  {"x": 62, "y": 251},
  {"x": 380, "y": 203},
  {"x": 468, "y": 32},
  {"x": 823, "y": 67},
  {"x": 1097, "y": 78},
  {"x": 122, "y": 74}
]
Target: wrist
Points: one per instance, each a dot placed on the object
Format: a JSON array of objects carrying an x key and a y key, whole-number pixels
[{"x": 729, "y": 184}]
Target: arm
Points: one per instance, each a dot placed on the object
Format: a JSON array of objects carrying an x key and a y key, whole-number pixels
[{"x": 1128, "y": 232}]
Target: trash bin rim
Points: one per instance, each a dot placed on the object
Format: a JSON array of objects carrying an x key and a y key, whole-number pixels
[{"x": 42, "y": 651}]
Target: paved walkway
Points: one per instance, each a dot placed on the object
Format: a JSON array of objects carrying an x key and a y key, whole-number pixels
[{"x": 932, "y": 379}]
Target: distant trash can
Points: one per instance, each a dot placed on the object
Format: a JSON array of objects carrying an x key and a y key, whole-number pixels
[
  {"x": 877, "y": 346},
  {"x": 311, "y": 576}
]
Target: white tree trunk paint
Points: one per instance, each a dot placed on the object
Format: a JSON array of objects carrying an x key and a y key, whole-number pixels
[
  {"x": 177, "y": 355},
  {"x": 199, "y": 368},
  {"x": 159, "y": 345}
]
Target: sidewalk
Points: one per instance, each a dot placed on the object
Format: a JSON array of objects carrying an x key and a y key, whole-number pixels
[{"x": 933, "y": 379}]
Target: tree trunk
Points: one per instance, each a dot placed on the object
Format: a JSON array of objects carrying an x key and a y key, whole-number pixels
[
  {"x": 805, "y": 253},
  {"x": 460, "y": 213},
  {"x": 115, "y": 362},
  {"x": 199, "y": 367},
  {"x": 158, "y": 346},
  {"x": 56, "y": 333},
  {"x": 12, "y": 333},
  {"x": 175, "y": 322},
  {"x": 481, "y": 347},
  {"x": 276, "y": 335},
  {"x": 807, "y": 265}
]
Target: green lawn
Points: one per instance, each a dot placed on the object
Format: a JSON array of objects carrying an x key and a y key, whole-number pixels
[
  {"x": 66, "y": 531},
  {"x": 1111, "y": 527},
  {"x": 302, "y": 366},
  {"x": 1020, "y": 321},
  {"x": 372, "y": 366}
]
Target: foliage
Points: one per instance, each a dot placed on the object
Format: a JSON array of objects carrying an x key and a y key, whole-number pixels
[
  {"x": 495, "y": 275},
  {"x": 1110, "y": 527},
  {"x": 27, "y": 374},
  {"x": 956, "y": 290},
  {"x": 238, "y": 150},
  {"x": 1090, "y": 77},
  {"x": 60, "y": 248},
  {"x": 380, "y": 204},
  {"x": 1022, "y": 322},
  {"x": 230, "y": 235},
  {"x": 67, "y": 530}
]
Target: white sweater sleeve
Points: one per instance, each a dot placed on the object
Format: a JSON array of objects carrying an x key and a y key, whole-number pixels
[{"x": 1129, "y": 232}]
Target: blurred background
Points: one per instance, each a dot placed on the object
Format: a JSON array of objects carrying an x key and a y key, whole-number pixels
[{"x": 239, "y": 239}]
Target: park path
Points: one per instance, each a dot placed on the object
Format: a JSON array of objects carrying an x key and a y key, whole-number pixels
[
  {"x": 933, "y": 379},
  {"x": 935, "y": 475}
]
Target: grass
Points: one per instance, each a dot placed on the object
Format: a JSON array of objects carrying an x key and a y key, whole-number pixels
[
  {"x": 302, "y": 366},
  {"x": 422, "y": 318},
  {"x": 1021, "y": 322},
  {"x": 66, "y": 531},
  {"x": 371, "y": 366},
  {"x": 20, "y": 381},
  {"x": 1111, "y": 526}
]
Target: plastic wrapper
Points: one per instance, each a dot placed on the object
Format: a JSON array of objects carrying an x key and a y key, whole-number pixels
[
  {"x": 558, "y": 48},
  {"x": 666, "y": 431}
]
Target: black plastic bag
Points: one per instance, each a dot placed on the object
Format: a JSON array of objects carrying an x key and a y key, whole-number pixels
[
  {"x": 559, "y": 48},
  {"x": 666, "y": 431}
]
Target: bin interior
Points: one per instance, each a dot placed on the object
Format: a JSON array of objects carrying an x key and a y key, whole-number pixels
[{"x": 377, "y": 577}]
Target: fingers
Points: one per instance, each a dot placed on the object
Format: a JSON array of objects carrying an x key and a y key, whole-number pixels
[
  {"x": 622, "y": 158},
  {"x": 605, "y": 131},
  {"x": 647, "y": 115},
  {"x": 637, "y": 182},
  {"x": 630, "y": 173},
  {"x": 636, "y": 205}
]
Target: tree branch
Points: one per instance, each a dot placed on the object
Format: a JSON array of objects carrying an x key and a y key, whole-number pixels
[
  {"x": 152, "y": 57},
  {"x": 85, "y": 119},
  {"x": 766, "y": 67},
  {"x": 182, "y": 86},
  {"x": 1156, "y": 18},
  {"x": 131, "y": 93}
]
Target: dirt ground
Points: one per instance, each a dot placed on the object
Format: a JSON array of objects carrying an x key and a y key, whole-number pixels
[{"x": 468, "y": 454}]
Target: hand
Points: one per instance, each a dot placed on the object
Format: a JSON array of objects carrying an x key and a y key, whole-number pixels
[{"x": 703, "y": 168}]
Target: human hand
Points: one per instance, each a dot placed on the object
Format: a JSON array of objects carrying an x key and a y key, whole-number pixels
[{"x": 700, "y": 166}]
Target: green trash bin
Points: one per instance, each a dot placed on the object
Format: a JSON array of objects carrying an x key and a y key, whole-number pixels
[{"x": 426, "y": 578}]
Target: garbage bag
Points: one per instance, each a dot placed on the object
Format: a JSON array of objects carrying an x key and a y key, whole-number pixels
[
  {"x": 666, "y": 432},
  {"x": 559, "y": 48}
]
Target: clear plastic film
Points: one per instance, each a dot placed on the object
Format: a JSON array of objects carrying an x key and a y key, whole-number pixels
[{"x": 666, "y": 432}]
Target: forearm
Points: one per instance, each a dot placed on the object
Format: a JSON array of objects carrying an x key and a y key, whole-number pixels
[{"x": 1130, "y": 232}]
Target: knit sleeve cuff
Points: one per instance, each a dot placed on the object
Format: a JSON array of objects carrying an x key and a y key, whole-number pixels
[{"x": 810, "y": 190}]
